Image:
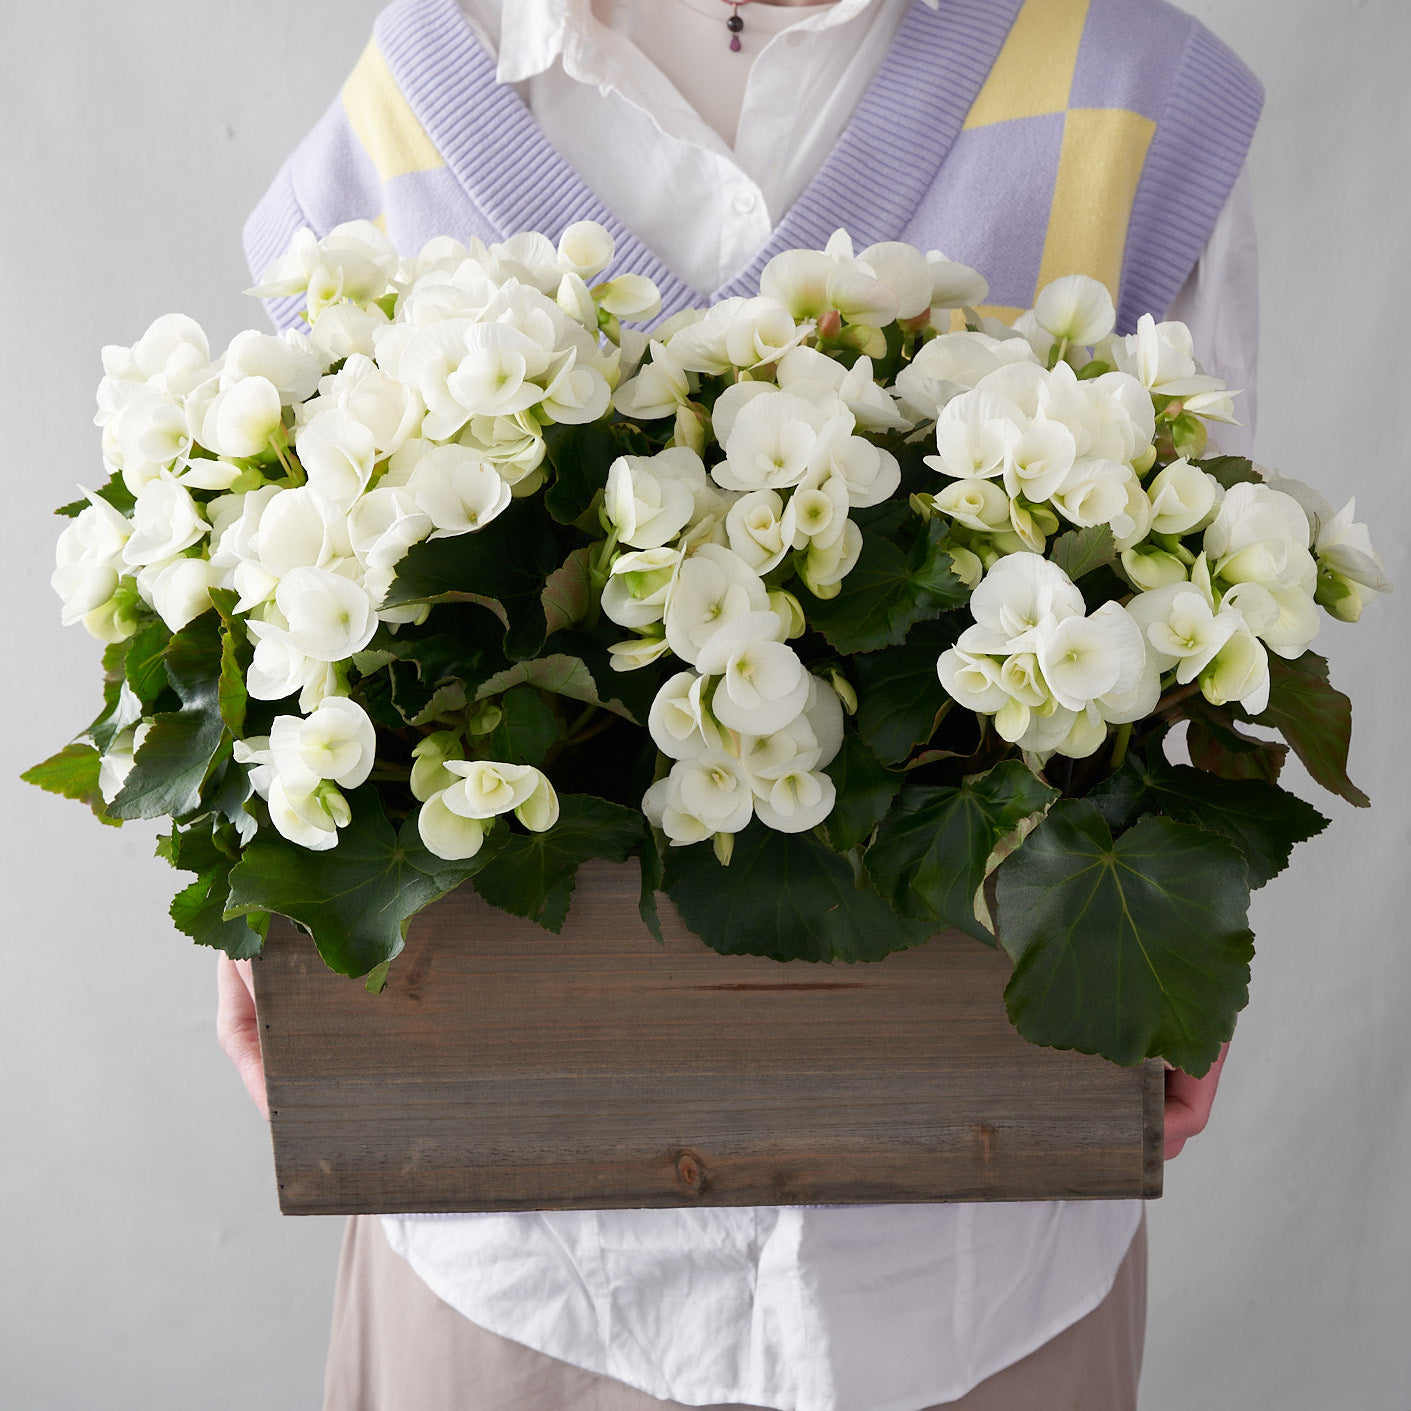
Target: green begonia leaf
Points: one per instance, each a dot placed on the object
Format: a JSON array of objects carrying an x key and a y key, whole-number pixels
[
  {"x": 72, "y": 774},
  {"x": 1261, "y": 820},
  {"x": 144, "y": 665},
  {"x": 178, "y": 751},
  {"x": 1133, "y": 949},
  {"x": 235, "y": 657},
  {"x": 358, "y": 898},
  {"x": 199, "y": 912},
  {"x": 934, "y": 847},
  {"x": 1315, "y": 718},
  {"x": 532, "y": 874},
  {"x": 899, "y": 694},
  {"x": 653, "y": 870},
  {"x": 1231, "y": 470},
  {"x": 526, "y": 730},
  {"x": 1217, "y": 746},
  {"x": 788, "y": 896},
  {"x": 581, "y": 457},
  {"x": 568, "y": 594},
  {"x": 1080, "y": 551},
  {"x": 887, "y": 591},
  {"x": 865, "y": 788}
]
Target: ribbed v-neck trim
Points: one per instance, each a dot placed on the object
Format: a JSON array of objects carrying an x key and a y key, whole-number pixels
[{"x": 871, "y": 184}]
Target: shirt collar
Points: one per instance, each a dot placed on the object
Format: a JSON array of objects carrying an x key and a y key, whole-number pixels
[{"x": 536, "y": 32}]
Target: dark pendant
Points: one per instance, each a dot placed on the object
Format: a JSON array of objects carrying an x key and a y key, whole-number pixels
[
  {"x": 735, "y": 24},
  {"x": 735, "y": 43}
]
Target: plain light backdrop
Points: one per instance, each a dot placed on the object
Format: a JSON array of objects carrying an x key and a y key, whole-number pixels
[{"x": 145, "y": 1264}]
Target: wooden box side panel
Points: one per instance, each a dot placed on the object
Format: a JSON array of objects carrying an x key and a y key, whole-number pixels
[{"x": 505, "y": 1068}]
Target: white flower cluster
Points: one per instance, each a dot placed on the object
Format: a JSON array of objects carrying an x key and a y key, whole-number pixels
[
  {"x": 297, "y": 470},
  {"x": 701, "y": 555},
  {"x": 1028, "y": 447}
]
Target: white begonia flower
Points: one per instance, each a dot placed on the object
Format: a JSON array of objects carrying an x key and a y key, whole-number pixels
[
  {"x": 787, "y": 608},
  {"x": 824, "y": 566},
  {"x": 383, "y": 525},
  {"x": 329, "y": 616},
  {"x": 298, "y": 528},
  {"x": 1239, "y": 672},
  {"x": 973, "y": 680},
  {"x": 1183, "y": 498},
  {"x": 953, "y": 285},
  {"x": 763, "y": 683},
  {"x": 762, "y": 529},
  {"x": 1111, "y": 416},
  {"x": 1038, "y": 461},
  {"x": 429, "y": 756},
  {"x": 905, "y": 271},
  {"x": 89, "y": 558},
  {"x": 338, "y": 455},
  {"x": 1284, "y": 618},
  {"x": 145, "y": 434},
  {"x": 662, "y": 806},
  {"x": 952, "y": 364},
  {"x": 585, "y": 248},
  {"x": 200, "y": 473},
  {"x": 540, "y": 811},
  {"x": 354, "y": 261},
  {"x": 278, "y": 667},
  {"x": 823, "y": 713},
  {"x": 651, "y": 499},
  {"x": 1182, "y": 627},
  {"x": 165, "y": 520},
  {"x": 660, "y": 387},
  {"x": 767, "y": 758},
  {"x": 974, "y": 435},
  {"x": 346, "y": 331},
  {"x": 796, "y": 801},
  {"x": 288, "y": 361},
  {"x": 1104, "y": 492},
  {"x": 639, "y": 652},
  {"x": 457, "y": 491},
  {"x": 868, "y": 473},
  {"x": 336, "y": 742},
  {"x": 713, "y": 587},
  {"x": 446, "y": 834},
  {"x": 310, "y": 819},
  {"x": 179, "y": 590},
  {"x": 239, "y": 420},
  {"x": 1149, "y": 567},
  {"x": 810, "y": 374},
  {"x": 967, "y": 566},
  {"x": 487, "y": 788},
  {"x": 1161, "y": 357},
  {"x": 820, "y": 511},
  {"x": 515, "y": 451},
  {"x": 774, "y": 441},
  {"x": 172, "y": 354},
  {"x": 760, "y": 331},
  {"x": 1261, "y": 535},
  {"x": 1018, "y": 593},
  {"x": 798, "y": 279},
  {"x": 390, "y": 411},
  {"x": 696, "y": 339},
  {"x": 977, "y": 504},
  {"x": 678, "y": 722},
  {"x": 575, "y": 299},
  {"x": 1075, "y": 308},
  {"x": 1084, "y": 658},
  {"x": 638, "y": 586},
  {"x": 629, "y": 296},
  {"x": 714, "y": 788}
]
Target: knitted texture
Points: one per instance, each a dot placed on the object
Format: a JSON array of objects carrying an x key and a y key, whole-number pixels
[{"x": 1030, "y": 140}]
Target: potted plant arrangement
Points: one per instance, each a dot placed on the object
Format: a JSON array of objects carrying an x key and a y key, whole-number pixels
[{"x": 852, "y": 616}]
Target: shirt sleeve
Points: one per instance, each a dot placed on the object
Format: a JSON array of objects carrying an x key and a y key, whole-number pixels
[{"x": 1219, "y": 302}]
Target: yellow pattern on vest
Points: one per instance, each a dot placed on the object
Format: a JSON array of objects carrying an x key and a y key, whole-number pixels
[
  {"x": 1033, "y": 74},
  {"x": 383, "y": 122},
  {"x": 1104, "y": 150}
]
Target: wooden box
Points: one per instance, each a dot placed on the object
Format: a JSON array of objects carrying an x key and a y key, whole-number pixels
[{"x": 505, "y": 1068}]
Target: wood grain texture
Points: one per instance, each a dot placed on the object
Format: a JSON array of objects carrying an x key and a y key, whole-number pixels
[{"x": 505, "y": 1068}]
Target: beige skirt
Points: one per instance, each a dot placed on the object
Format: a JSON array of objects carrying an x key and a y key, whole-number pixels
[{"x": 395, "y": 1346}]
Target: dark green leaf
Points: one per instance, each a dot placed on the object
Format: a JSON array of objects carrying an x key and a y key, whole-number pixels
[
  {"x": 1134, "y": 949},
  {"x": 1231, "y": 470},
  {"x": 653, "y": 874},
  {"x": 144, "y": 666},
  {"x": 235, "y": 657},
  {"x": 581, "y": 457},
  {"x": 1262, "y": 821},
  {"x": 865, "y": 788},
  {"x": 199, "y": 912},
  {"x": 887, "y": 591},
  {"x": 1315, "y": 718},
  {"x": 568, "y": 594},
  {"x": 934, "y": 848},
  {"x": 356, "y": 899},
  {"x": 788, "y": 896},
  {"x": 526, "y": 730},
  {"x": 581, "y": 672},
  {"x": 532, "y": 874},
  {"x": 899, "y": 694},
  {"x": 1216, "y": 746},
  {"x": 1081, "y": 550}
]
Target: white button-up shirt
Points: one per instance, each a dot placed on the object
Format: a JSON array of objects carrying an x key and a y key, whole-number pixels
[{"x": 699, "y": 150}]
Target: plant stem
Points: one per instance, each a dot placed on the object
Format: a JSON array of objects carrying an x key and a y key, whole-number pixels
[{"x": 1119, "y": 748}]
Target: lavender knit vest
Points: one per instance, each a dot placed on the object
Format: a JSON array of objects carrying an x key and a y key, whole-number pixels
[{"x": 906, "y": 168}]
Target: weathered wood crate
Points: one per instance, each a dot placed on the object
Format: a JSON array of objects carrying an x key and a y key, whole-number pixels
[{"x": 505, "y": 1068}]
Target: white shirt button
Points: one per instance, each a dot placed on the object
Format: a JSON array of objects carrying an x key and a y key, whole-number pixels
[{"x": 745, "y": 202}]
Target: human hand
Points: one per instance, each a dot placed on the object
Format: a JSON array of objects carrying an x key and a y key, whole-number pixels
[
  {"x": 1188, "y": 1103},
  {"x": 237, "y": 1027}
]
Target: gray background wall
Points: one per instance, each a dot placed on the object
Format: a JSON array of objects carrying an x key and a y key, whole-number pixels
[{"x": 145, "y": 1264}]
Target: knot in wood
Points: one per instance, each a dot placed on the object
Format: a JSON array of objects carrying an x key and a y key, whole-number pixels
[{"x": 691, "y": 1169}]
